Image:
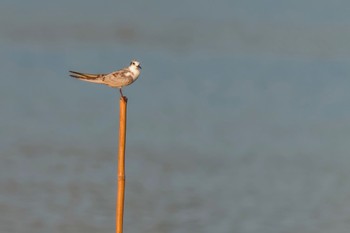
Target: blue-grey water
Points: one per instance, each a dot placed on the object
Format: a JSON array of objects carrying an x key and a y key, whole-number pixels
[{"x": 239, "y": 122}]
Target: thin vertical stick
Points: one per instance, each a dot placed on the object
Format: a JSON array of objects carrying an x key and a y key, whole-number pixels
[{"x": 121, "y": 166}]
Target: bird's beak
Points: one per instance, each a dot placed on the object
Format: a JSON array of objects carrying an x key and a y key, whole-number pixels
[{"x": 139, "y": 67}]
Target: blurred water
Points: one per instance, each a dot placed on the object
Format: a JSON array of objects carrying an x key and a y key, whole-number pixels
[{"x": 238, "y": 123}]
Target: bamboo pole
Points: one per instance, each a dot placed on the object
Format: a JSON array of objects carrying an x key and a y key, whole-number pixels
[{"x": 121, "y": 166}]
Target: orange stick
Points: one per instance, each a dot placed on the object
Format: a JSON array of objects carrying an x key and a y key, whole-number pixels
[{"x": 121, "y": 166}]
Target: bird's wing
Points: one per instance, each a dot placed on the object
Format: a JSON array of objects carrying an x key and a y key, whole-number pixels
[{"x": 118, "y": 78}]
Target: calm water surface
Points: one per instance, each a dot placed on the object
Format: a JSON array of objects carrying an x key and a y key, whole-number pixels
[{"x": 238, "y": 123}]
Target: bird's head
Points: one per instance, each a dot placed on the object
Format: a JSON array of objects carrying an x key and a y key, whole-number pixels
[{"x": 136, "y": 64}]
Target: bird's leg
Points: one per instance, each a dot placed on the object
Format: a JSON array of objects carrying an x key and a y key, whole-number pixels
[{"x": 122, "y": 96}]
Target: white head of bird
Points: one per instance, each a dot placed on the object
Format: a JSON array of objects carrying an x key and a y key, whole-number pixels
[{"x": 135, "y": 67}]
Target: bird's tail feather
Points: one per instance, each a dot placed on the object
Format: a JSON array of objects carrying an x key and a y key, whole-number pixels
[{"x": 95, "y": 78}]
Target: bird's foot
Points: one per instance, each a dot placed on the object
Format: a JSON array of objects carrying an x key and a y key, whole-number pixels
[{"x": 123, "y": 97}]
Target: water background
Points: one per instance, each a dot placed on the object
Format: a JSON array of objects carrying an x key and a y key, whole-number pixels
[{"x": 239, "y": 122}]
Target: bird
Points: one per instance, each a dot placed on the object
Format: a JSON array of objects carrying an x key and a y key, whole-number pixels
[{"x": 116, "y": 79}]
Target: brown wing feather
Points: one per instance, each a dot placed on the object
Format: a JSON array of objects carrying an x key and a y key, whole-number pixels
[{"x": 118, "y": 79}]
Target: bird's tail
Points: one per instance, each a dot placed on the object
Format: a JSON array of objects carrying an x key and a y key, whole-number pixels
[{"x": 94, "y": 78}]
